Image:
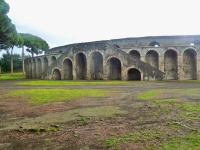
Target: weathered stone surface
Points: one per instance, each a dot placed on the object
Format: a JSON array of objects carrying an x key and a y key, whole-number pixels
[{"x": 144, "y": 58}]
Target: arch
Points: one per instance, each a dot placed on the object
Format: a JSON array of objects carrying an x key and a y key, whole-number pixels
[
  {"x": 39, "y": 68},
  {"x": 116, "y": 46},
  {"x": 114, "y": 69},
  {"x": 96, "y": 66},
  {"x": 154, "y": 44},
  {"x": 81, "y": 66},
  {"x": 189, "y": 64},
  {"x": 46, "y": 63},
  {"x": 135, "y": 54},
  {"x": 171, "y": 64},
  {"x": 134, "y": 74},
  {"x": 67, "y": 69},
  {"x": 151, "y": 58},
  {"x": 56, "y": 74},
  {"x": 53, "y": 59}
]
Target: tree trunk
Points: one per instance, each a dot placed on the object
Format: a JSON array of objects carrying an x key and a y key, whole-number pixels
[
  {"x": 32, "y": 54},
  {"x": 23, "y": 60},
  {"x": 11, "y": 60}
]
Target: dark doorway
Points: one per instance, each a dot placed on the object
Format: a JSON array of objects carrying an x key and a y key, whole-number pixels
[{"x": 134, "y": 74}]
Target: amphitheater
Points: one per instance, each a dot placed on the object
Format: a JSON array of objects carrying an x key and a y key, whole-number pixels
[{"x": 142, "y": 58}]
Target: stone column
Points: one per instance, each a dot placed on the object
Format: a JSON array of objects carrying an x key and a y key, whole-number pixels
[
  {"x": 88, "y": 69},
  {"x": 198, "y": 66},
  {"x": 105, "y": 70},
  {"x": 161, "y": 63},
  {"x": 180, "y": 67}
]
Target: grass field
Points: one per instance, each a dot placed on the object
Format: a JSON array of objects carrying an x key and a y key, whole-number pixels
[
  {"x": 15, "y": 76},
  {"x": 64, "y": 82}
]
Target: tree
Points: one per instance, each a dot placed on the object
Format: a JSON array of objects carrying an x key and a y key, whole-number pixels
[
  {"x": 34, "y": 44},
  {"x": 5, "y": 61},
  {"x": 7, "y": 29},
  {"x": 15, "y": 40}
]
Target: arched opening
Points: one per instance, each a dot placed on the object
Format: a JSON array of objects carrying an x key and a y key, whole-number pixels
[
  {"x": 56, "y": 74},
  {"x": 116, "y": 46},
  {"x": 151, "y": 58},
  {"x": 114, "y": 65},
  {"x": 45, "y": 64},
  {"x": 34, "y": 69},
  {"x": 135, "y": 54},
  {"x": 154, "y": 44},
  {"x": 189, "y": 64},
  {"x": 39, "y": 68},
  {"x": 171, "y": 64},
  {"x": 134, "y": 74},
  {"x": 53, "y": 59},
  {"x": 67, "y": 69},
  {"x": 81, "y": 66},
  {"x": 96, "y": 66}
]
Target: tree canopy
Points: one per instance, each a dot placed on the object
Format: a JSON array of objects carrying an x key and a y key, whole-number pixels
[
  {"x": 8, "y": 32},
  {"x": 34, "y": 44}
]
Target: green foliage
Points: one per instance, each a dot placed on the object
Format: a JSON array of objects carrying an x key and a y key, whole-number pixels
[
  {"x": 5, "y": 62},
  {"x": 53, "y": 95},
  {"x": 8, "y": 32},
  {"x": 34, "y": 44}
]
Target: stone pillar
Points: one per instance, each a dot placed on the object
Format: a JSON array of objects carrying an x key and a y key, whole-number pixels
[
  {"x": 161, "y": 63},
  {"x": 180, "y": 67},
  {"x": 105, "y": 70},
  {"x": 74, "y": 70},
  {"x": 88, "y": 69},
  {"x": 142, "y": 58},
  {"x": 198, "y": 66}
]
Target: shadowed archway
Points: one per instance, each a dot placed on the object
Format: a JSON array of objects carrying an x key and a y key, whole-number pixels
[
  {"x": 46, "y": 64},
  {"x": 114, "y": 66},
  {"x": 189, "y": 64},
  {"x": 171, "y": 64},
  {"x": 134, "y": 74},
  {"x": 67, "y": 69},
  {"x": 135, "y": 54},
  {"x": 39, "y": 68},
  {"x": 96, "y": 66},
  {"x": 56, "y": 74},
  {"x": 81, "y": 66},
  {"x": 151, "y": 58}
]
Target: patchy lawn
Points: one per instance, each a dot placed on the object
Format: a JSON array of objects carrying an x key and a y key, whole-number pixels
[{"x": 137, "y": 115}]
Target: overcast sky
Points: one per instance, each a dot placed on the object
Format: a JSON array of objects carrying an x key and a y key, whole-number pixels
[{"x": 64, "y": 22}]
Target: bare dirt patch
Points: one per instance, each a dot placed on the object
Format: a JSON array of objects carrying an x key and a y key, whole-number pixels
[{"x": 117, "y": 121}]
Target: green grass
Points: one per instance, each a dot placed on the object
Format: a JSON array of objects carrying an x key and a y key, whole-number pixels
[
  {"x": 181, "y": 143},
  {"x": 15, "y": 76},
  {"x": 144, "y": 135},
  {"x": 64, "y": 82},
  {"x": 54, "y": 95},
  {"x": 158, "y": 101},
  {"x": 151, "y": 94}
]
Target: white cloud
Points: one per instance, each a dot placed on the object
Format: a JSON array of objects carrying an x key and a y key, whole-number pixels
[{"x": 65, "y": 21}]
